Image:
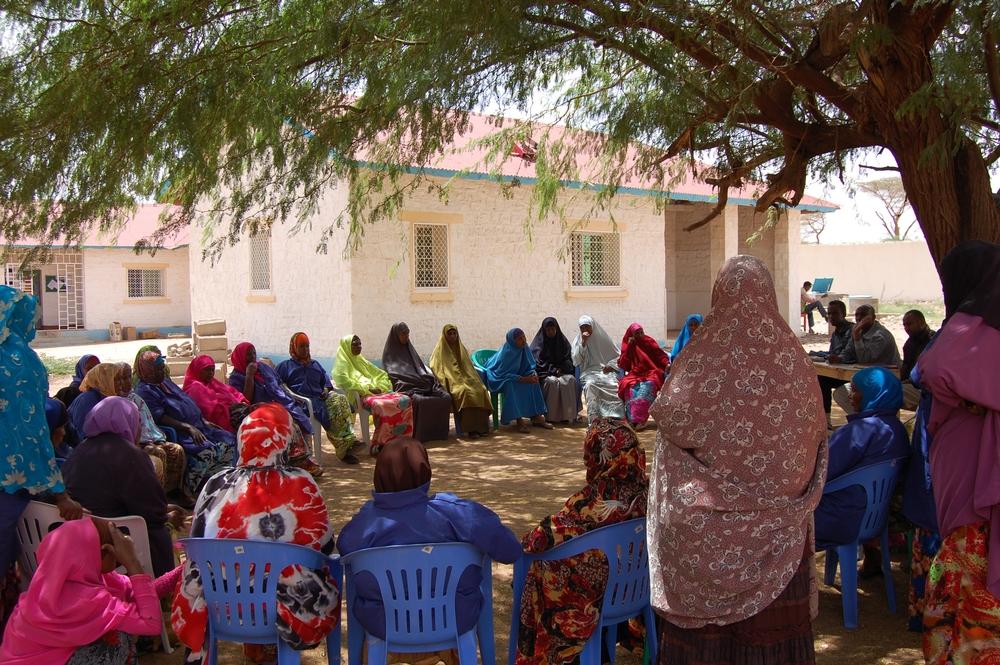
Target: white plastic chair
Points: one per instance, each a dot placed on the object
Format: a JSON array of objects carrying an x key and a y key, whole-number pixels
[
  {"x": 38, "y": 519},
  {"x": 317, "y": 435},
  {"x": 364, "y": 415}
]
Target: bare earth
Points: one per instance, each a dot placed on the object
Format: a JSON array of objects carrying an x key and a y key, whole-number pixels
[{"x": 524, "y": 477}]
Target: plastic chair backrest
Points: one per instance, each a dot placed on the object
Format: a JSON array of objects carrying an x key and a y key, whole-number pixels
[
  {"x": 878, "y": 481},
  {"x": 482, "y": 356},
  {"x": 38, "y": 519},
  {"x": 418, "y": 584},
  {"x": 240, "y": 581},
  {"x": 624, "y": 545},
  {"x": 34, "y": 524}
]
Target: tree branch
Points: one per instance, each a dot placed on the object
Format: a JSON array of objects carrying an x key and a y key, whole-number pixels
[{"x": 878, "y": 168}]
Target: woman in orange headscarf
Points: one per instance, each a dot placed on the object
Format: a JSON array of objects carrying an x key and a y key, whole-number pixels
[{"x": 308, "y": 378}]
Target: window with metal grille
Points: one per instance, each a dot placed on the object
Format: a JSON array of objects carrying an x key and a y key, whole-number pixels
[
  {"x": 260, "y": 262},
  {"x": 596, "y": 259},
  {"x": 145, "y": 283},
  {"x": 430, "y": 256}
]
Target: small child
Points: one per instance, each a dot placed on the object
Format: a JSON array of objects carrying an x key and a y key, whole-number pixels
[{"x": 58, "y": 419}]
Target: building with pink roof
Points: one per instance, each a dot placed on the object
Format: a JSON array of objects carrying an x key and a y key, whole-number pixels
[
  {"x": 101, "y": 280},
  {"x": 470, "y": 260}
]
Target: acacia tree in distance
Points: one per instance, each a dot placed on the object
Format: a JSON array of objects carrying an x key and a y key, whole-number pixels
[
  {"x": 890, "y": 194},
  {"x": 813, "y": 225},
  {"x": 104, "y": 102}
]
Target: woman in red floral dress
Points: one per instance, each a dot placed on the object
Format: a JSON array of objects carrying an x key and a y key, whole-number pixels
[{"x": 255, "y": 500}]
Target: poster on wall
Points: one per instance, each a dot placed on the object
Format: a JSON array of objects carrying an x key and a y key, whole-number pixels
[{"x": 55, "y": 284}]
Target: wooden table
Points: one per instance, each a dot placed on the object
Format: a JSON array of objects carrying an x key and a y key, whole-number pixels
[{"x": 841, "y": 371}]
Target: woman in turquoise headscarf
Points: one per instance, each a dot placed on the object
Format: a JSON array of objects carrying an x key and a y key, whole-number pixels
[
  {"x": 511, "y": 371},
  {"x": 27, "y": 459},
  {"x": 691, "y": 324},
  {"x": 873, "y": 434}
]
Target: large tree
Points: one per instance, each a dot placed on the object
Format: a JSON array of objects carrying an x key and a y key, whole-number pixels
[{"x": 251, "y": 109}]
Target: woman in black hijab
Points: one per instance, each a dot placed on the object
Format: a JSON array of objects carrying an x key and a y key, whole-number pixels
[
  {"x": 410, "y": 376},
  {"x": 554, "y": 364}
]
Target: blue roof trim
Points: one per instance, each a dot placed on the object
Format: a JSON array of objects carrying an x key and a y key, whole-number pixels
[{"x": 575, "y": 184}]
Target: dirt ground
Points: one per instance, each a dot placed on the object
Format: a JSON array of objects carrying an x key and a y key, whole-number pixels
[{"x": 524, "y": 477}]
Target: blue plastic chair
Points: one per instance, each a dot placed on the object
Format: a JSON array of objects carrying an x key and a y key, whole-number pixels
[
  {"x": 418, "y": 584},
  {"x": 479, "y": 359},
  {"x": 240, "y": 580},
  {"x": 625, "y": 597},
  {"x": 878, "y": 481}
]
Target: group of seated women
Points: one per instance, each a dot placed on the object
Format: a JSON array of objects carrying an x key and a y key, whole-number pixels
[
  {"x": 542, "y": 383},
  {"x": 265, "y": 498}
]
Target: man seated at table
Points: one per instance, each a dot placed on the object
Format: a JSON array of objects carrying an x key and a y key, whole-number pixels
[
  {"x": 838, "y": 344},
  {"x": 871, "y": 343},
  {"x": 811, "y": 302},
  {"x": 919, "y": 335}
]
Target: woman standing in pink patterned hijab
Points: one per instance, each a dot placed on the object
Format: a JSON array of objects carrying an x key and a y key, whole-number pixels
[{"x": 738, "y": 469}]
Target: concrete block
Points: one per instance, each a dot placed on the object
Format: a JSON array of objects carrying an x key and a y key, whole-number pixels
[
  {"x": 205, "y": 344},
  {"x": 222, "y": 372},
  {"x": 210, "y": 327},
  {"x": 218, "y": 355},
  {"x": 178, "y": 366}
]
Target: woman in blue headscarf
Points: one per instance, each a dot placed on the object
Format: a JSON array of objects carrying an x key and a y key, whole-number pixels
[
  {"x": 873, "y": 434},
  {"x": 511, "y": 371},
  {"x": 28, "y": 464},
  {"x": 691, "y": 324}
]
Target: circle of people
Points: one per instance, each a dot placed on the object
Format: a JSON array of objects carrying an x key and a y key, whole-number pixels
[{"x": 734, "y": 500}]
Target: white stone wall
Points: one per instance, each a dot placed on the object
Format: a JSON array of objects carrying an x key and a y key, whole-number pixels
[
  {"x": 501, "y": 278},
  {"x": 106, "y": 289},
  {"x": 690, "y": 254},
  {"x": 889, "y": 271},
  {"x": 310, "y": 291},
  {"x": 763, "y": 248}
]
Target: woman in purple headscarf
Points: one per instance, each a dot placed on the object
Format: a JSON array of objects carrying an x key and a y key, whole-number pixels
[
  {"x": 962, "y": 612},
  {"x": 112, "y": 477}
]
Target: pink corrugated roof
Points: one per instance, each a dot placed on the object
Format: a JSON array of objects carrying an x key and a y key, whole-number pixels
[
  {"x": 143, "y": 224},
  {"x": 465, "y": 159}
]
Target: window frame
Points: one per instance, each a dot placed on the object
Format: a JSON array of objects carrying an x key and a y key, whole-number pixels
[
  {"x": 595, "y": 288},
  {"x": 414, "y": 226},
  {"x": 257, "y": 237},
  {"x": 145, "y": 296}
]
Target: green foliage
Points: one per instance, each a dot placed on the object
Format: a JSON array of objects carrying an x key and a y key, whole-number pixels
[
  {"x": 246, "y": 114},
  {"x": 58, "y": 366}
]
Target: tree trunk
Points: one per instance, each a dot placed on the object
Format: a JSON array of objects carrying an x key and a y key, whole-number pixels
[
  {"x": 943, "y": 173},
  {"x": 951, "y": 196}
]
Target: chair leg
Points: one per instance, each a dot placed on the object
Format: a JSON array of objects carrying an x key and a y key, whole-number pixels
[
  {"x": 287, "y": 655},
  {"x": 165, "y": 638},
  {"x": 495, "y": 398},
  {"x": 377, "y": 652},
  {"x": 355, "y": 640},
  {"x": 830, "y": 571},
  {"x": 592, "y": 649},
  {"x": 890, "y": 587},
  {"x": 652, "y": 639},
  {"x": 213, "y": 650},
  {"x": 333, "y": 645},
  {"x": 610, "y": 641},
  {"x": 467, "y": 648},
  {"x": 849, "y": 583}
]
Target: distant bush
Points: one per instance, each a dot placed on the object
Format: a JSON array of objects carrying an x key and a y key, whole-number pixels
[{"x": 58, "y": 366}]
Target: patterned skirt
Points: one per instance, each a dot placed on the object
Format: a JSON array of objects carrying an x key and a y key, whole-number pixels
[
  {"x": 925, "y": 547},
  {"x": 781, "y": 634},
  {"x": 961, "y": 616},
  {"x": 115, "y": 648},
  {"x": 172, "y": 463},
  {"x": 560, "y": 609},
  {"x": 340, "y": 430},
  {"x": 393, "y": 415},
  {"x": 641, "y": 397}
]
